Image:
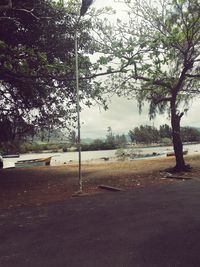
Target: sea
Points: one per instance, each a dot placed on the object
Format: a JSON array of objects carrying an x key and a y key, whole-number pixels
[{"x": 97, "y": 156}]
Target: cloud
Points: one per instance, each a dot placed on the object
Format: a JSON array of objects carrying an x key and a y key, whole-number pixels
[{"x": 123, "y": 115}]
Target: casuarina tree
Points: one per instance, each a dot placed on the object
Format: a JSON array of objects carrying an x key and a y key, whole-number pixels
[{"x": 157, "y": 50}]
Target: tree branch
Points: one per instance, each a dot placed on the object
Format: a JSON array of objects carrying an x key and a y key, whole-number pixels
[
  {"x": 193, "y": 75},
  {"x": 30, "y": 12},
  {"x": 157, "y": 101},
  {"x": 154, "y": 82},
  {"x": 8, "y": 6}
]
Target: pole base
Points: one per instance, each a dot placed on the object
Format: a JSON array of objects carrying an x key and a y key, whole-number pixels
[{"x": 79, "y": 194}]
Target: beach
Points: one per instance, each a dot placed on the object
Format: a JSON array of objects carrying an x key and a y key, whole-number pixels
[{"x": 41, "y": 185}]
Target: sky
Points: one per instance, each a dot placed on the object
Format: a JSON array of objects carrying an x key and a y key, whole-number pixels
[{"x": 122, "y": 114}]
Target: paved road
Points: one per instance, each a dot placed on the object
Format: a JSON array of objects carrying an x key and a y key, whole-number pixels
[{"x": 157, "y": 226}]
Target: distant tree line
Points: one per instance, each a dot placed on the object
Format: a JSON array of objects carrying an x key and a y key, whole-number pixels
[
  {"x": 111, "y": 141},
  {"x": 57, "y": 141},
  {"x": 145, "y": 134}
]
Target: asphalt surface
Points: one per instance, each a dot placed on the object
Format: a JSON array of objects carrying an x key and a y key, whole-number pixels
[{"x": 157, "y": 226}]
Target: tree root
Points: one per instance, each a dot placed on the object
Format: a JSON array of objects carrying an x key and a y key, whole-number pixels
[{"x": 178, "y": 169}]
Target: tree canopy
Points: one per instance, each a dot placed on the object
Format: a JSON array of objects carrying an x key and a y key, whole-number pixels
[
  {"x": 37, "y": 65},
  {"x": 147, "y": 134},
  {"x": 157, "y": 50}
]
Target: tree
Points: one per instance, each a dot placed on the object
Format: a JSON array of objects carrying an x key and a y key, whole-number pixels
[
  {"x": 16, "y": 129},
  {"x": 97, "y": 144},
  {"x": 72, "y": 138},
  {"x": 145, "y": 134},
  {"x": 37, "y": 63},
  {"x": 110, "y": 138},
  {"x": 120, "y": 140},
  {"x": 190, "y": 134},
  {"x": 165, "y": 131},
  {"x": 131, "y": 135},
  {"x": 158, "y": 55}
]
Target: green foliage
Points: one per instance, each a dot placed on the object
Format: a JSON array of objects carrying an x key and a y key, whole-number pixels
[
  {"x": 97, "y": 145},
  {"x": 166, "y": 141},
  {"x": 157, "y": 53},
  {"x": 145, "y": 134},
  {"x": 121, "y": 154},
  {"x": 28, "y": 146},
  {"x": 120, "y": 140},
  {"x": 37, "y": 63},
  {"x": 112, "y": 142},
  {"x": 72, "y": 138},
  {"x": 165, "y": 131},
  {"x": 156, "y": 50},
  {"x": 9, "y": 147},
  {"x": 131, "y": 135},
  {"x": 110, "y": 138},
  {"x": 190, "y": 134}
]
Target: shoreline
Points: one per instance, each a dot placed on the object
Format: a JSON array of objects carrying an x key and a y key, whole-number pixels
[
  {"x": 104, "y": 160},
  {"x": 56, "y": 161}
]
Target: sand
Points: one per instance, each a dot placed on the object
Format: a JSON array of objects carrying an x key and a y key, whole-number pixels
[{"x": 43, "y": 185}]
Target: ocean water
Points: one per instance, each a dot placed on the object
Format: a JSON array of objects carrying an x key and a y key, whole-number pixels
[{"x": 66, "y": 157}]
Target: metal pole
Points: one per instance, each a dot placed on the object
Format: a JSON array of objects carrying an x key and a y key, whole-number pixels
[{"x": 78, "y": 116}]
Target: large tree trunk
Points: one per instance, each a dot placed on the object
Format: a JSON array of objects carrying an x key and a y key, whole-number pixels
[{"x": 177, "y": 141}]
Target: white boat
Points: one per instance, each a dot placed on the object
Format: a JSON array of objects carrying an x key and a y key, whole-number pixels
[
  {"x": 11, "y": 155},
  {"x": 1, "y": 162},
  {"x": 33, "y": 162}
]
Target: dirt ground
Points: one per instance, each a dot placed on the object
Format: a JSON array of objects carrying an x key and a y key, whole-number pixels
[{"x": 42, "y": 185}]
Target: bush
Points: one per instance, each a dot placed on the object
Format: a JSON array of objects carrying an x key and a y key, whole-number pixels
[
  {"x": 166, "y": 141},
  {"x": 9, "y": 147},
  {"x": 121, "y": 154},
  {"x": 65, "y": 149},
  {"x": 27, "y": 147}
]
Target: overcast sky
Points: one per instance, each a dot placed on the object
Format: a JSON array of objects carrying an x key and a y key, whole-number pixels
[{"x": 123, "y": 114}]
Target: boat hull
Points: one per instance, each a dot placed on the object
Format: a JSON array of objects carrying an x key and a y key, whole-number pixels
[
  {"x": 33, "y": 163},
  {"x": 171, "y": 154},
  {"x": 144, "y": 156},
  {"x": 6, "y": 156}
]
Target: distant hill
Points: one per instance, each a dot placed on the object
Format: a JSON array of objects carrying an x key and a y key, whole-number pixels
[
  {"x": 87, "y": 140},
  {"x": 90, "y": 140},
  {"x": 198, "y": 128}
]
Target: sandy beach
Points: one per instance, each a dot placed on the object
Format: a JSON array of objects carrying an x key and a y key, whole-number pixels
[{"x": 41, "y": 185}]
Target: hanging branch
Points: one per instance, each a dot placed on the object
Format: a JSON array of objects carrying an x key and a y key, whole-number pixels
[{"x": 9, "y": 6}]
